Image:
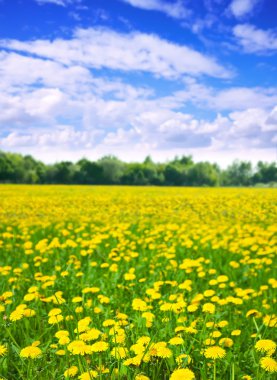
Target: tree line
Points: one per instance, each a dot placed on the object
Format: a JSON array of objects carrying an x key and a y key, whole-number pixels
[{"x": 109, "y": 170}]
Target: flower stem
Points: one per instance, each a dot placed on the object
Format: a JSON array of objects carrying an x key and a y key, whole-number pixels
[{"x": 214, "y": 378}]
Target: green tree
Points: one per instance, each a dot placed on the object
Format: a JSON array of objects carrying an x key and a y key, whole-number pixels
[
  {"x": 203, "y": 174},
  {"x": 265, "y": 172},
  {"x": 239, "y": 173},
  {"x": 113, "y": 169}
]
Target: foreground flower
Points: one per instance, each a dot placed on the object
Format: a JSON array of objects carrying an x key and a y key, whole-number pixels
[
  {"x": 268, "y": 364},
  {"x": 142, "y": 377},
  {"x": 208, "y": 308},
  {"x": 253, "y": 313},
  {"x": 266, "y": 345},
  {"x": 88, "y": 375},
  {"x": 71, "y": 372},
  {"x": 214, "y": 352},
  {"x": 176, "y": 341},
  {"x": 55, "y": 319},
  {"x": 183, "y": 358},
  {"x": 3, "y": 350},
  {"x": 119, "y": 352},
  {"x": 78, "y": 347},
  {"x": 236, "y": 333},
  {"x": 60, "y": 352},
  {"x": 226, "y": 342},
  {"x": 17, "y": 314},
  {"x": 99, "y": 346},
  {"x": 182, "y": 374},
  {"x": 54, "y": 312},
  {"x": 30, "y": 352}
]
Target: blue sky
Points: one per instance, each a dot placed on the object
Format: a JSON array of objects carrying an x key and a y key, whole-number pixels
[{"x": 86, "y": 78}]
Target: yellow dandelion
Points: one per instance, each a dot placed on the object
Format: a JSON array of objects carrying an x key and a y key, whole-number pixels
[
  {"x": 208, "y": 308},
  {"x": 55, "y": 319},
  {"x": 62, "y": 333},
  {"x": 209, "y": 342},
  {"x": 270, "y": 320},
  {"x": 176, "y": 341},
  {"x": 253, "y": 313},
  {"x": 88, "y": 375},
  {"x": 190, "y": 330},
  {"x": 17, "y": 315},
  {"x": 77, "y": 299},
  {"x": 226, "y": 342},
  {"x": 64, "y": 340},
  {"x": 119, "y": 352},
  {"x": 139, "y": 305},
  {"x": 136, "y": 360},
  {"x": 77, "y": 347},
  {"x": 30, "y": 352},
  {"x": 236, "y": 332},
  {"x": 182, "y": 374},
  {"x": 214, "y": 352},
  {"x": 71, "y": 372},
  {"x": 163, "y": 352},
  {"x": 91, "y": 334},
  {"x": 266, "y": 345},
  {"x": 144, "y": 340},
  {"x": 183, "y": 359},
  {"x": 108, "y": 322},
  {"x": 222, "y": 324},
  {"x": 60, "y": 352},
  {"x": 53, "y": 312},
  {"x": 215, "y": 334},
  {"x": 268, "y": 364},
  {"x": 29, "y": 313},
  {"x": 142, "y": 377},
  {"x": 3, "y": 350},
  {"x": 99, "y": 346},
  {"x": 192, "y": 308}
]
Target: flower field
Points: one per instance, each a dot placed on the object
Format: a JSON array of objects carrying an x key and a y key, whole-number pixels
[{"x": 137, "y": 283}]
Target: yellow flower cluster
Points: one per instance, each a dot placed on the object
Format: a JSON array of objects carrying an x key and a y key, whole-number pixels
[{"x": 130, "y": 283}]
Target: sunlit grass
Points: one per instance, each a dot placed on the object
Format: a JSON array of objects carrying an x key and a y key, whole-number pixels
[{"x": 137, "y": 283}]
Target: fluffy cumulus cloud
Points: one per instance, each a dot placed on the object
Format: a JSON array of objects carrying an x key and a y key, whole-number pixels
[
  {"x": 240, "y": 8},
  {"x": 105, "y": 48},
  {"x": 255, "y": 40},
  {"x": 171, "y": 9},
  {"x": 228, "y": 99},
  {"x": 159, "y": 132},
  {"x": 53, "y": 98}
]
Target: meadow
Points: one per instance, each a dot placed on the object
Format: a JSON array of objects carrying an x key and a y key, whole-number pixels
[{"x": 137, "y": 283}]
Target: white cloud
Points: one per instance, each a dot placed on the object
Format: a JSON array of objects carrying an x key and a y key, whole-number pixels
[
  {"x": 104, "y": 48},
  {"x": 243, "y": 97},
  {"x": 232, "y": 98},
  {"x": 31, "y": 107},
  {"x": 154, "y": 131},
  {"x": 240, "y": 8},
  {"x": 255, "y": 40},
  {"x": 55, "y": 107},
  {"x": 37, "y": 95},
  {"x": 249, "y": 128},
  {"x": 20, "y": 71},
  {"x": 172, "y": 9},
  {"x": 62, "y": 3},
  {"x": 271, "y": 121},
  {"x": 60, "y": 136}
]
